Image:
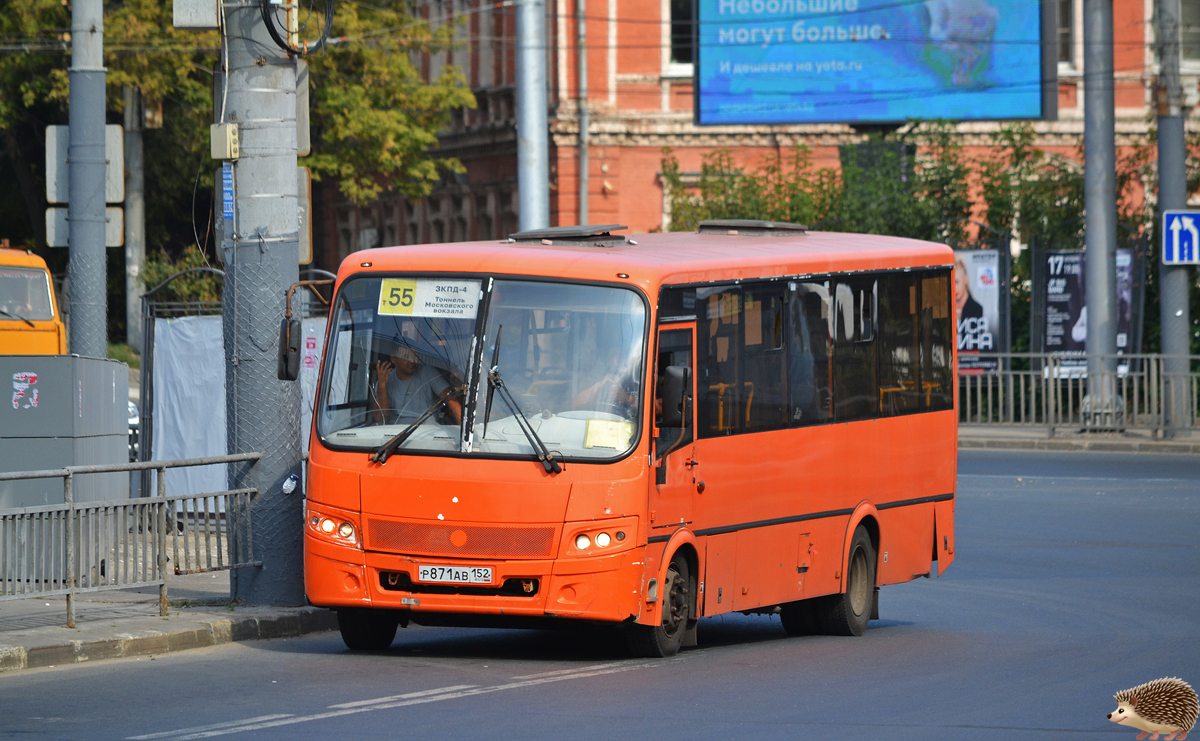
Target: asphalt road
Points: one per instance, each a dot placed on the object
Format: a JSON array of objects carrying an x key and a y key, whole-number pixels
[{"x": 1077, "y": 575}]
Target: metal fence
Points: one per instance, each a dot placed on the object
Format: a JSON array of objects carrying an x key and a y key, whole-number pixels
[
  {"x": 74, "y": 547},
  {"x": 1134, "y": 392}
]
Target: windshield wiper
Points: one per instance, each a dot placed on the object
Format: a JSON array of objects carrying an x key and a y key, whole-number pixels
[
  {"x": 16, "y": 316},
  {"x": 385, "y": 451},
  {"x": 539, "y": 448}
]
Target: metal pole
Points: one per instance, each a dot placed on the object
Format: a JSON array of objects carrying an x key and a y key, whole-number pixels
[
  {"x": 87, "y": 268},
  {"x": 584, "y": 115},
  {"x": 261, "y": 255},
  {"x": 1100, "y": 200},
  {"x": 135, "y": 215},
  {"x": 69, "y": 500},
  {"x": 533, "y": 127},
  {"x": 161, "y": 540},
  {"x": 1172, "y": 194}
]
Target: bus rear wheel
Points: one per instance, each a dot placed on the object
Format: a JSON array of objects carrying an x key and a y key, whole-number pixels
[
  {"x": 847, "y": 614},
  {"x": 664, "y": 639},
  {"x": 367, "y": 630}
]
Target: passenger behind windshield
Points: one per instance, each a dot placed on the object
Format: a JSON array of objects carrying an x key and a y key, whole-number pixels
[{"x": 405, "y": 387}]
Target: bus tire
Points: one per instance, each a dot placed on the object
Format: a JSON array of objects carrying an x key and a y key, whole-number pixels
[
  {"x": 664, "y": 639},
  {"x": 799, "y": 618},
  {"x": 367, "y": 630},
  {"x": 848, "y": 613}
]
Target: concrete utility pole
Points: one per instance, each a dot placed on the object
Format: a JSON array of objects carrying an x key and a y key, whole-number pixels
[
  {"x": 584, "y": 175},
  {"x": 1100, "y": 200},
  {"x": 135, "y": 215},
  {"x": 88, "y": 266},
  {"x": 533, "y": 127},
  {"x": 1173, "y": 280},
  {"x": 261, "y": 260}
]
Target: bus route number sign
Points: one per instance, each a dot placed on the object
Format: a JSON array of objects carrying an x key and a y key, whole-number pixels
[{"x": 453, "y": 299}]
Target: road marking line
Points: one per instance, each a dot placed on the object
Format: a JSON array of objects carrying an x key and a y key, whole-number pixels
[
  {"x": 213, "y": 727},
  {"x": 1023, "y": 477},
  {"x": 291, "y": 720},
  {"x": 407, "y": 696},
  {"x": 569, "y": 671}
]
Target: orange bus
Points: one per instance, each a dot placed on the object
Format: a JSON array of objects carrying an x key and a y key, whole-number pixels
[
  {"x": 29, "y": 320},
  {"x": 572, "y": 424}
]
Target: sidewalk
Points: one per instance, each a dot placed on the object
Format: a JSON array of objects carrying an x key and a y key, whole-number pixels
[
  {"x": 125, "y": 623},
  {"x": 1013, "y": 437}
]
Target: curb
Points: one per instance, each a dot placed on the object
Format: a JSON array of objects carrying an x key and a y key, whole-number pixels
[
  {"x": 1095, "y": 446},
  {"x": 203, "y": 632}
]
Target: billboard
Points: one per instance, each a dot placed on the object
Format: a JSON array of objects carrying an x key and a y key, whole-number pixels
[
  {"x": 863, "y": 61},
  {"x": 1065, "y": 329},
  {"x": 977, "y": 308}
]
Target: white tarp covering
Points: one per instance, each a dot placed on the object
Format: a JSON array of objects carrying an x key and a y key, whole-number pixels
[
  {"x": 189, "y": 400},
  {"x": 310, "y": 366}
]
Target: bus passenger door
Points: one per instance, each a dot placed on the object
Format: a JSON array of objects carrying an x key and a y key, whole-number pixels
[{"x": 675, "y": 482}]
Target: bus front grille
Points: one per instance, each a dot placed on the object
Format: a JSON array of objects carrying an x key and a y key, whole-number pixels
[{"x": 530, "y": 541}]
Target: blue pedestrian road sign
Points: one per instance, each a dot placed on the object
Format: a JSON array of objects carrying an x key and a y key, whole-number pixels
[{"x": 1181, "y": 238}]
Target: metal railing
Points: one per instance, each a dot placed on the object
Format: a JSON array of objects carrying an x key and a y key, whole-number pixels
[
  {"x": 73, "y": 547},
  {"x": 1133, "y": 392}
]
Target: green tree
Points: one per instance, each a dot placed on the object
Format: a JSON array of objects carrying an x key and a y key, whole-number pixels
[{"x": 374, "y": 118}]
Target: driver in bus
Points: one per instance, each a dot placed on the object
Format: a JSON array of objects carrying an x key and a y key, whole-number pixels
[
  {"x": 615, "y": 392},
  {"x": 405, "y": 388}
]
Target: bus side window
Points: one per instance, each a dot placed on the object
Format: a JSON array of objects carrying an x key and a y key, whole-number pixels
[
  {"x": 764, "y": 387},
  {"x": 937, "y": 339},
  {"x": 674, "y": 348},
  {"x": 809, "y": 354},
  {"x": 719, "y": 406},
  {"x": 899, "y": 373},
  {"x": 855, "y": 388}
]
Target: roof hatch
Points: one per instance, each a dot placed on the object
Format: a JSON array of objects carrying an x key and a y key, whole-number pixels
[
  {"x": 583, "y": 235},
  {"x": 752, "y": 228}
]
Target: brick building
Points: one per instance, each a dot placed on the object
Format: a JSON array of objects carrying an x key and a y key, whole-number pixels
[{"x": 640, "y": 100}]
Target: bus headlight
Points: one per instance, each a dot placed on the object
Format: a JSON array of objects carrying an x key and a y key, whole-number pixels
[
  {"x": 582, "y": 542},
  {"x": 602, "y": 539}
]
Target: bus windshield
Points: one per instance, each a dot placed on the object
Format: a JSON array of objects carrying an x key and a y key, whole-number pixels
[
  {"x": 25, "y": 294},
  {"x": 569, "y": 358}
]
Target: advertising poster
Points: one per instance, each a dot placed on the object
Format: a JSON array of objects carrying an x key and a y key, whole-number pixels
[
  {"x": 807, "y": 61},
  {"x": 977, "y": 308},
  {"x": 1066, "y": 305}
]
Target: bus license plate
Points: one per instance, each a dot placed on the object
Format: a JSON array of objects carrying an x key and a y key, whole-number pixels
[{"x": 455, "y": 574}]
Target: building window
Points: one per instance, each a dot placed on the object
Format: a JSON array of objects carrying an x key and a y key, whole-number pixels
[
  {"x": 1066, "y": 31},
  {"x": 682, "y": 51},
  {"x": 1189, "y": 30}
]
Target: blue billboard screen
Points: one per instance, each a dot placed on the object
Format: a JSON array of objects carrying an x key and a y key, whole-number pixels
[{"x": 812, "y": 61}]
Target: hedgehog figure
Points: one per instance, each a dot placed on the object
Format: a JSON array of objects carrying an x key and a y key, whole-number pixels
[{"x": 1163, "y": 706}]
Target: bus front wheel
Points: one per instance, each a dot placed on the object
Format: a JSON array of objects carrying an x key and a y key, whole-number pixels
[
  {"x": 664, "y": 639},
  {"x": 367, "y": 630},
  {"x": 847, "y": 614}
]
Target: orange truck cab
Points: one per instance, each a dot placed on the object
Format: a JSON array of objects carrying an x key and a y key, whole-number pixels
[
  {"x": 29, "y": 320},
  {"x": 573, "y": 425}
]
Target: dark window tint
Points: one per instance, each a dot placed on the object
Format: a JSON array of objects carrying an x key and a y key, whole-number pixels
[
  {"x": 899, "y": 375},
  {"x": 764, "y": 357},
  {"x": 810, "y": 353},
  {"x": 681, "y": 31},
  {"x": 674, "y": 303},
  {"x": 937, "y": 342},
  {"x": 674, "y": 348},
  {"x": 855, "y": 390},
  {"x": 719, "y": 391}
]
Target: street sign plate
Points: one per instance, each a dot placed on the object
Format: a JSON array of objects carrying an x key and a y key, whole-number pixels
[
  {"x": 58, "y": 227},
  {"x": 1181, "y": 238},
  {"x": 58, "y": 182}
]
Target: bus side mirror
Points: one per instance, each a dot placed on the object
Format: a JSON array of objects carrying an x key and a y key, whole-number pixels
[
  {"x": 676, "y": 382},
  {"x": 290, "y": 336}
]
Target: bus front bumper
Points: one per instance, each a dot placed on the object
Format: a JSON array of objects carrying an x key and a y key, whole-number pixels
[{"x": 601, "y": 588}]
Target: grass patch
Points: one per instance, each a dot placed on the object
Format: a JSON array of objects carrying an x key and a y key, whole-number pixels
[{"x": 125, "y": 354}]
